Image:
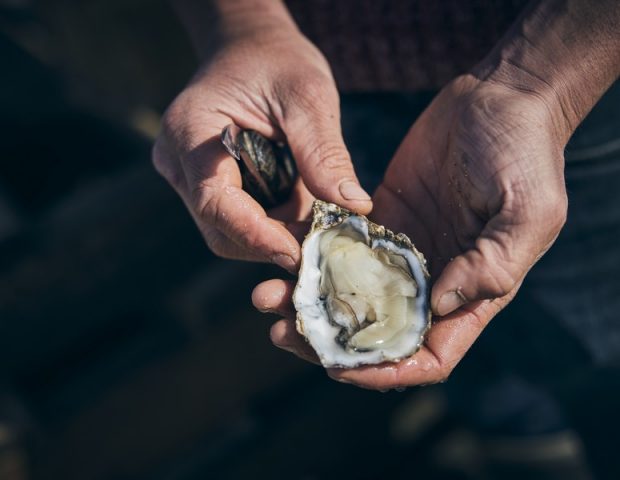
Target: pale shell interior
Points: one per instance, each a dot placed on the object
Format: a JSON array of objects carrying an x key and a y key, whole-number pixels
[{"x": 378, "y": 283}]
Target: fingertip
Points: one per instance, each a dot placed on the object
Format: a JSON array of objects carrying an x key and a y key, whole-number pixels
[
  {"x": 274, "y": 296},
  {"x": 284, "y": 335},
  {"x": 259, "y": 298},
  {"x": 279, "y": 332}
]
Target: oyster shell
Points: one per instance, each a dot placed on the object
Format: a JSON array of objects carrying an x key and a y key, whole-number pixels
[{"x": 362, "y": 293}]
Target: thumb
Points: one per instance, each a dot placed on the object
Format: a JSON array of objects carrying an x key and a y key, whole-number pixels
[
  {"x": 495, "y": 267},
  {"x": 313, "y": 132}
]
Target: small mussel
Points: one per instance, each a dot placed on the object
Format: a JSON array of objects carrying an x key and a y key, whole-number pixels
[{"x": 267, "y": 167}]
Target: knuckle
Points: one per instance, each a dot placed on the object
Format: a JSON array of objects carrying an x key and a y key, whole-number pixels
[
  {"x": 490, "y": 268},
  {"x": 478, "y": 322},
  {"x": 556, "y": 211},
  {"x": 496, "y": 283},
  {"x": 317, "y": 86},
  {"x": 328, "y": 156},
  {"x": 497, "y": 269},
  {"x": 308, "y": 90},
  {"x": 496, "y": 288},
  {"x": 252, "y": 241},
  {"x": 175, "y": 114},
  {"x": 159, "y": 158},
  {"x": 220, "y": 244},
  {"x": 206, "y": 200},
  {"x": 208, "y": 205},
  {"x": 213, "y": 240},
  {"x": 165, "y": 165},
  {"x": 445, "y": 371},
  {"x": 186, "y": 124}
]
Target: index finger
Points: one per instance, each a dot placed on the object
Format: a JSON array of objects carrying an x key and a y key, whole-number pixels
[{"x": 214, "y": 184}]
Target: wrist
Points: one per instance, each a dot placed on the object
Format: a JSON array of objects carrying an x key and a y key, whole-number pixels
[
  {"x": 564, "y": 52},
  {"x": 548, "y": 91},
  {"x": 213, "y": 24}
]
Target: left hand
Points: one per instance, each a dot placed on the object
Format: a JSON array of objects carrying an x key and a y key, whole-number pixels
[
  {"x": 478, "y": 185},
  {"x": 272, "y": 80}
]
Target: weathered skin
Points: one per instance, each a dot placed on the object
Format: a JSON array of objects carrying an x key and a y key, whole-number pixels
[{"x": 477, "y": 182}]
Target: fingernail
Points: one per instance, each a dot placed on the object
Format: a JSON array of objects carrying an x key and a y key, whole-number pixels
[
  {"x": 265, "y": 310},
  {"x": 333, "y": 374},
  {"x": 285, "y": 261},
  {"x": 343, "y": 380},
  {"x": 286, "y": 348},
  {"x": 449, "y": 302},
  {"x": 351, "y": 190}
]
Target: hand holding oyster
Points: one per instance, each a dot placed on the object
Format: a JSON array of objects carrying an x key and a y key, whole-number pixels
[
  {"x": 479, "y": 180},
  {"x": 362, "y": 293}
]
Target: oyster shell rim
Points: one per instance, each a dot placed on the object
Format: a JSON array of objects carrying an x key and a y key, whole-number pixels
[{"x": 326, "y": 215}]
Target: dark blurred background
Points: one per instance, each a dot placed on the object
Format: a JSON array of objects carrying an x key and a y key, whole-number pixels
[{"x": 128, "y": 351}]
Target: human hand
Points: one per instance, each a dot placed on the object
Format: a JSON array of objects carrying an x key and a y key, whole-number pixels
[
  {"x": 478, "y": 185},
  {"x": 276, "y": 82}
]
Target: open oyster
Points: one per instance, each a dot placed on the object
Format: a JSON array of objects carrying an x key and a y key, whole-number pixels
[{"x": 362, "y": 293}]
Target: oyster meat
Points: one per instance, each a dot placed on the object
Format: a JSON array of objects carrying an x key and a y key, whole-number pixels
[{"x": 362, "y": 293}]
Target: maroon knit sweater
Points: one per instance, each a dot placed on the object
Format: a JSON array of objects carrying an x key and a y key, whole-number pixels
[{"x": 403, "y": 45}]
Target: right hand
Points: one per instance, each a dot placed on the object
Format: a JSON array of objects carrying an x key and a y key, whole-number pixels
[
  {"x": 277, "y": 83},
  {"x": 478, "y": 184}
]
